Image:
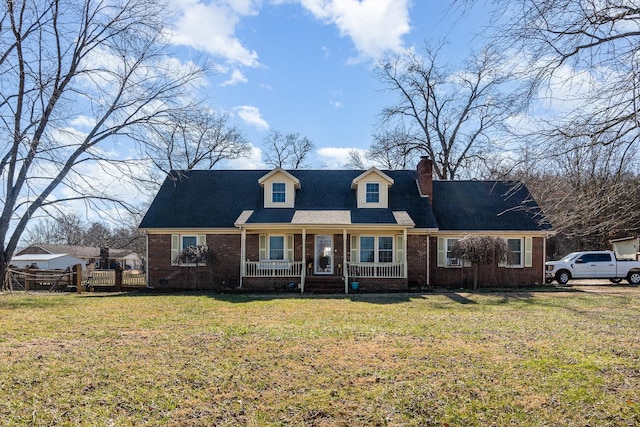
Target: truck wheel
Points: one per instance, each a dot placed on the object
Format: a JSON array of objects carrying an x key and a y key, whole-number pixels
[
  {"x": 563, "y": 276},
  {"x": 634, "y": 278},
  {"x": 616, "y": 280}
]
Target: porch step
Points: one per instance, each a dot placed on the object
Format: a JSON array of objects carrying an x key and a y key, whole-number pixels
[{"x": 324, "y": 285}]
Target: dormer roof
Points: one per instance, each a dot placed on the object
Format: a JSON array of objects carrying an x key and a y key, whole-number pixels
[
  {"x": 296, "y": 181},
  {"x": 365, "y": 174}
]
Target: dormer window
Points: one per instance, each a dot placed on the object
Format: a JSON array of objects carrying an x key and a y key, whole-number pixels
[
  {"x": 372, "y": 189},
  {"x": 279, "y": 189},
  {"x": 279, "y": 192},
  {"x": 372, "y": 192}
]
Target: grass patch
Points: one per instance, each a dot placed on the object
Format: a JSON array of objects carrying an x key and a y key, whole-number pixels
[{"x": 397, "y": 360}]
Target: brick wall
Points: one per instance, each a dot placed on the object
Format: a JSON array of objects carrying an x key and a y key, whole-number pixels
[
  {"x": 417, "y": 261},
  {"x": 488, "y": 276},
  {"x": 223, "y": 275},
  {"x": 380, "y": 285}
]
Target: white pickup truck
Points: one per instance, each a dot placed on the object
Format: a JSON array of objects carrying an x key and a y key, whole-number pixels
[{"x": 593, "y": 265}]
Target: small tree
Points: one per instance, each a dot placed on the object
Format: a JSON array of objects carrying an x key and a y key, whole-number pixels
[
  {"x": 194, "y": 254},
  {"x": 200, "y": 255},
  {"x": 487, "y": 250}
]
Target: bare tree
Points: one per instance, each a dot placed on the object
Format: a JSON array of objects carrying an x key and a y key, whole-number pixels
[
  {"x": 288, "y": 151},
  {"x": 451, "y": 116},
  {"x": 192, "y": 139},
  {"x": 97, "y": 235},
  {"x": 586, "y": 53},
  {"x": 61, "y": 229},
  {"x": 355, "y": 160},
  {"x": 393, "y": 148},
  {"x": 76, "y": 74},
  {"x": 588, "y": 193},
  {"x": 477, "y": 250}
]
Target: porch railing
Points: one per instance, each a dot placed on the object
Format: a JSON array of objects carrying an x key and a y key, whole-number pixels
[
  {"x": 390, "y": 270},
  {"x": 273, "y": 268}
]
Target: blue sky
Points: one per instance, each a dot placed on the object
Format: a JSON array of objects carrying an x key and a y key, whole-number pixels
[{"x": 305, "y": 65}]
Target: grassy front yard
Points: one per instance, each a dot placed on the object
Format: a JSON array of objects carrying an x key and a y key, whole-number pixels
[{"x": 565, "y": 358}]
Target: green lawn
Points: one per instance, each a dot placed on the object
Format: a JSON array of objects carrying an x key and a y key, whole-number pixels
[{"x": 558, "y": 358}]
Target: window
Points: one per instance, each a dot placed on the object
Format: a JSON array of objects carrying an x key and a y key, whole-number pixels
[
  {"x": 451, "y": 261},
  {"x": 374, "y": 249},
  {"x": 372, "y": 194},
  {"x": 188, "y": 241},
  {"x": 385, "y": 249},
  {"x": 180, "y": 242},
  {"x": 514, "y": 254},
  {"x": 278, "y": 192},
  {"x": 367, "y": 249},
  {"x": 276, "y": 247}
]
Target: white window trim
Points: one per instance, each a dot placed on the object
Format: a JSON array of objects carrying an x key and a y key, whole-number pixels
[
  {"x": 526, "y": 253},
  {"x": 451, "y": 262},
  {"x": 376, "y": 248},
  {"x": 521, "y": 263},
  {"x": 441, "y": 257},
  {"x": 379, "y": 193},
  {"x": 273, "y": 193},
  {"x": 264, "y": 247},
  {"x": 284, "y": 247},
  {"x": 177, "y": 246}
]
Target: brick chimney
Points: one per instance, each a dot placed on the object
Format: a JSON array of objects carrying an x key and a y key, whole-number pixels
[{"x": 424, "y": 177}]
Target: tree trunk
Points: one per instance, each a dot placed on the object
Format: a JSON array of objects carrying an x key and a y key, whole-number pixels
[{"x": 475, "y": 276}]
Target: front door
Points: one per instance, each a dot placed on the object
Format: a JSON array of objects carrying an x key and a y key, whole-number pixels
[{"x": 323, "y": 261}]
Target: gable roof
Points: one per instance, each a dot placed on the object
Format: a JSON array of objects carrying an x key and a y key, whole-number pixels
[
  {"x": 371, "y": 170},
  {"x": 228, "y": 198},
  {"x": 74, "y": 250},
  {"x": 38, "y": 257},
  {"x": 485, "y": 206},
  {"x": 296, "y": 181},
  {"x": 219, "y": 198}
]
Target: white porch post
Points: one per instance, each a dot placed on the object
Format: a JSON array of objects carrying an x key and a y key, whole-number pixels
[
  {"x": 344, "y": 261},
  {"x": 304, "y": 260},
  {"x": 243, "y": 249},
  {"x": 406, "y": 257}
]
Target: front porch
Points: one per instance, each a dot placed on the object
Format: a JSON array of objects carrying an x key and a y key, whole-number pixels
[{"x": 320, "y": 261}]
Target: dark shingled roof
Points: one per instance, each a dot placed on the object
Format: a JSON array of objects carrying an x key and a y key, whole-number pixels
[
  {"x": 215, "y": 198},
  {"x": 485, "y": 205}
]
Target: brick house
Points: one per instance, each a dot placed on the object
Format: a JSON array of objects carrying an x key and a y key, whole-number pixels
[{"x": 310, "y": 229}]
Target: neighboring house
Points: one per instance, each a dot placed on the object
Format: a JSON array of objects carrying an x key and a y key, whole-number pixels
[
  {"x": 628, "y": 247},
  {"x": 93, "y": 257},
  {"x": 387, "y": 230},
  {"x": 46, "y": 261}
]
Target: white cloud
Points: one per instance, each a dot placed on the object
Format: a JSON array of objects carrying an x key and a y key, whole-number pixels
[
  {"x": 236, "y": 77},
  {"x": 337, "y": 157},
  {"x": 374, "y": 26},
  {"x": 335, "y": 99},
  {"x": 83, "y": 121},
  {"x": 251, "y": 116},
  {"x": 211, "y": 27},
  {"x": 253, "y": 161}
]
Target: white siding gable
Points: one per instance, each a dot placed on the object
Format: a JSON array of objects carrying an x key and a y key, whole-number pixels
[
  {"x": 279, "y": 189},
  {"x": 372, "y": 189}
]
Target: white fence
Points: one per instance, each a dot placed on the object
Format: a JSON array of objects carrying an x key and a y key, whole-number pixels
[
  {"x": 273, "y": 268},
  {"x": 387, "y": 270},
  {"x": 108, "y": 278}
]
